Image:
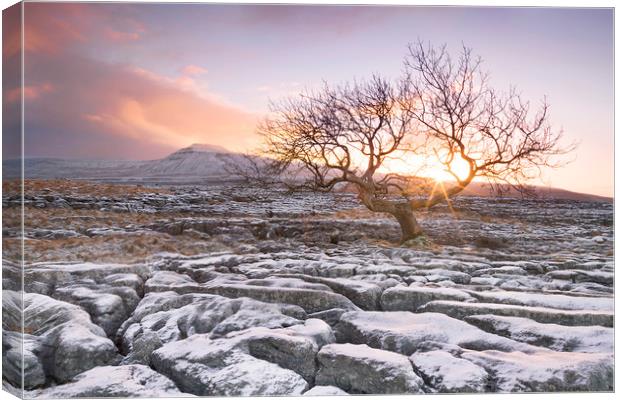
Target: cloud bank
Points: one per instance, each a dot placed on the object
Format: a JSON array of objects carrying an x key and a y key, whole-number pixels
[{"x": 79, "y": 105}]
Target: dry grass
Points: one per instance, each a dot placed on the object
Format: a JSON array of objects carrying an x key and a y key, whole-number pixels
[
  {"x": 75, "y": 188},
  {"x": 121, "y": 248},
  {"x": 358, "y": 213},
  {"x": 67, "y": 218}
]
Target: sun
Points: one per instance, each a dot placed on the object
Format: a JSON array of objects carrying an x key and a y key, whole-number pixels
[
  {"x": 458, "y": 166},
  {"x": 418, "y": 166}
]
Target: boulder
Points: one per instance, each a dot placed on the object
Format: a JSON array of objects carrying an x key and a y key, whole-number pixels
[
  {"x": 245, "y": 364},
  {"x": 281, "y": 290},
  {"x": 158, "y": 321},
  {"x": 576, "y": 276},
  {"x": 326, "y": 391},
  {"x": 540, "y": 314},
  {"x": 584, "y": 339},
  {"x": 361, "y": 369},
  {"x": 108, "y": 306},
  {"x": 67, "y": 342},
  {"x": 438, "y": 275},
  {"x": 401, "y": 298},
  {"x": 310, "y": 300},
  {"x": 562, "y": 302},
  {"x": 449, "y": 374},
  {"x": 363, "y": 294},
  {"x": 114, "y": 381},
  {"x": 19, "y": 353},
  {"x": 43, "y": 278},
  {"x": 163, "y": 281},
  {"x": 73, "y": 348},
  {"x": 546, "y": 371},
  {"x": 405, "y": 332}
]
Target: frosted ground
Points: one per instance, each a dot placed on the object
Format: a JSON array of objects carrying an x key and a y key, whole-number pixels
[{"x": 238, "y": 291}]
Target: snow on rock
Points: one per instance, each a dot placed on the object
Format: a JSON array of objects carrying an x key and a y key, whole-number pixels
[
  {"x": 326, "y": 391},
  {"x": 575, "y": 275},
  {"x": 504, "y": 270},
  {"x": 44, "y": 277},
  {"x": 72, "y": 348},
  {"x": 167, "y": 316},
  {"x": 312, "y": 297},
  {"x": 310, "y": 300},
  {"x": 361, "y": 369},
  {"x": 281, "y": 279},
  {"x": 449, "y": 374},
  {"x": 114, "y": 381},
  {"x": 67, "y": 342},
  {"x": 438, "y": 275},
  {"x": 108, "y": 306},
  {"x": 331, "y": 316},
  {"x": 546, "y": 371},
  {"x": 363, "y": 294},
  {"x": 163, "y": 281},
  {"x": 400, "y": 298},
  {"x": 540, "y": 314},
  {"x": 291, "y": 348},
  {"x": 19, "y": 355},
  {"x": 285, "y": 281},
  {"x": 559, "y": 301},
  {"x": 257, "y": 361},
  {"x": 405, "y": 332},
  {"x": 585, "y": 339},
  {"x": 315, "y": 329}
]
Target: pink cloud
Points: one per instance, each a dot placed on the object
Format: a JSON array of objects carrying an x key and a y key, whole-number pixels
[
  {"x": 96, "y": 102},
  {"x": 118, "y": 36},
  {"x": 31, "y": 92},
  {"x": 54, "y": 27},
  {"x": 193, "y": 70},
  {"x": 93, "y": 108}
]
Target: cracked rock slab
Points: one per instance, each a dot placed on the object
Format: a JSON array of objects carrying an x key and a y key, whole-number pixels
[
  {"x": 362, "y": 369},
  {"x": 114, "y": 381},
  {"x": 449, "y": 374},
  {"x": 546, "y": 371}
]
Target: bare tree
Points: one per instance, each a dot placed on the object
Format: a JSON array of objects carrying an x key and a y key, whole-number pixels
[
  {"x": 440, "y": 110},
  {"x": 497, "y": 136}
]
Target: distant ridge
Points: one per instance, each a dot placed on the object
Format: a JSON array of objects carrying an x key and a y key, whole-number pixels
[
  {"x": 193, "y": 164},
  {"x": 196, "y": 164},
  {"x": 481, "y": 189}
]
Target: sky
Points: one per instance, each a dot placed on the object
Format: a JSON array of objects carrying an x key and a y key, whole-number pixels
[{"x": 139, "y": 81}]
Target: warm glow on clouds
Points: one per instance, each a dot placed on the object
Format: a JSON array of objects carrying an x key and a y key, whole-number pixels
[
  {"x": 89, "y": 100},
  {"x": 30, "y": 92},
  {"x": 194, "y": 70},
  {"x": 118, "y": 36}
]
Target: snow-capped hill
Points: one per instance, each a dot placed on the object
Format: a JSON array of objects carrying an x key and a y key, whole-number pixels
[
  {"x": 196, "y": 163},
  {"x": 197, "y": 159},
  {"x": 203, "y": 147}
]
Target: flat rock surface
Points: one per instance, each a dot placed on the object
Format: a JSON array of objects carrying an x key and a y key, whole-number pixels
[
  {"x": 121, "y": 381},
  {"x": 362, "y": 369},
  {"x": 231, "y": 290}
]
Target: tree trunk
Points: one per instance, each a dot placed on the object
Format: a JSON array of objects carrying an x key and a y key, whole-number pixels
[
  {"x": 410, "y": 229},
  {"x": 402, "y": 211}
]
